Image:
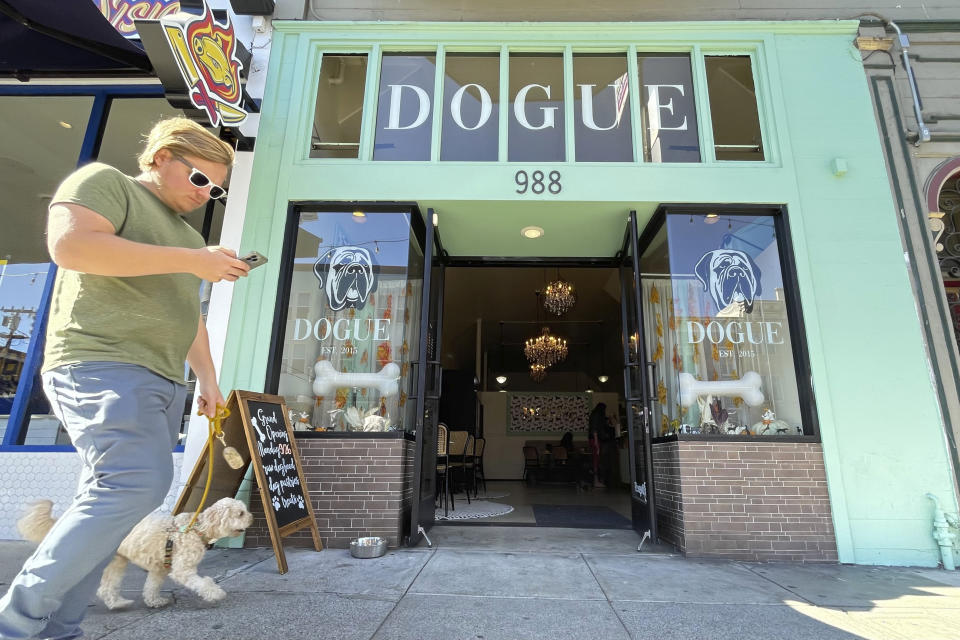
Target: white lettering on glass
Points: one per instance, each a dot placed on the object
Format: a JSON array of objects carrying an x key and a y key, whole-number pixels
[
  {"x": 486, "y": 107},
  {"x": 716, "y": 332},
  {"x": 396, "y": 94},
  {"x": 339, "y": 333},
  {"x": 380, "y": 327},
  {"x": 586, "y": 107},
  {"x": 341, "y": 329},
  {"x": 520, "y": 113},
  {"x": 654, "y": 107},
  {"x": 297, "y": 324}
]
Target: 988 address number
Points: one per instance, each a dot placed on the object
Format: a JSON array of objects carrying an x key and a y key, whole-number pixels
[{"x": 537, "y": 182}]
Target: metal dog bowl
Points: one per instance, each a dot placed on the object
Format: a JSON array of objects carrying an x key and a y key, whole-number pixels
[{"x": 373, "y": 547}]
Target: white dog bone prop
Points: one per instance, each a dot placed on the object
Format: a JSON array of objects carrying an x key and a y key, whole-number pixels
[
  {"x": 329, "y": 379},
  {"x": 748, "y": 387}
]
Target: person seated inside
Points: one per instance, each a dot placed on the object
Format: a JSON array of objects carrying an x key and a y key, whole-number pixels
[
  {"x": 579, "y": 464},
  {"x": 567, "y": 443}
]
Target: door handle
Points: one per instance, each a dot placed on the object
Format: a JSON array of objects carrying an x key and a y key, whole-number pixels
[{"x": 652, "y": 384}]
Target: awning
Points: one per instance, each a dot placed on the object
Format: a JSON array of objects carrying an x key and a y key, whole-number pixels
[{"x": 63, "y": 37}]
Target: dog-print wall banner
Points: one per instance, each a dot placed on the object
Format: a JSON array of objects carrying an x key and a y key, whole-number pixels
[{"x": 548, "y": 412}]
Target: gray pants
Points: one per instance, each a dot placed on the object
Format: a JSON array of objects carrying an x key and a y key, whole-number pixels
[{"x": 124, "y": 421}]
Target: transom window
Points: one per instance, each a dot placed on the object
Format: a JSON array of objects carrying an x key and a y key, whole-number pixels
[{"x": 537, "y": 107}]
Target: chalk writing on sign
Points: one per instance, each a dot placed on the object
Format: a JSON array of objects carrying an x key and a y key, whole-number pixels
[{"x": 279, "y": 465}]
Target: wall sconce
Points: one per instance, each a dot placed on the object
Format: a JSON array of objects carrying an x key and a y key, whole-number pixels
[
  {"x": 603, "y": 379},
  {"x": 501, "y": 379}
]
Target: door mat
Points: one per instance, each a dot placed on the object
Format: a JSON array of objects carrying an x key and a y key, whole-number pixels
[
  {"x": 579, "y": 517},
  {"x": 476, "y": 509}
]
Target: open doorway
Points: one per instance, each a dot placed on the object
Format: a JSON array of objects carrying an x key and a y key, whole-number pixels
[{"x": 554, "y": 440}]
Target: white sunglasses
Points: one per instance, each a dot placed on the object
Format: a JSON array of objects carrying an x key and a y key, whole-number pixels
[{"x": 199, "y": 179}]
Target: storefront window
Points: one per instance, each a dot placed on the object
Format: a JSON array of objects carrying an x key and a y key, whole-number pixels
[
  {"x": 129, "y": 120},
  {"x": 339, "y": 111},
  {"x": 352, "y": 322},
  {"x": 471, "y": 114},
  {"x": 733, "y": 108},
  {"x": 404, "y": 125},
  {"x": 41, "y": 144},
  {"x": 602, "y": 108},
  {"x": 669, "y": 111},
  {"x": 717, "y": 330},
  {"x": 45, "y": 135},
  {"x": 536, "y": 130}
]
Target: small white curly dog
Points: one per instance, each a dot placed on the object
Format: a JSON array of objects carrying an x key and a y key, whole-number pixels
[{"x": 145, "y": 547}]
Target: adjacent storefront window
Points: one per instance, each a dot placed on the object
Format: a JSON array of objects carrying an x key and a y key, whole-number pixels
[
  {"x": 41, "y": 141},
  {"x": 717, "y": 331},
  {"x": 733, "y": 108},
  {"x": 352, "y": 322},
  {"x": 471, "y": 114},
  {"x": 601, "y": 102},
  {"x": 44, "y": 136},
  {"x": 404, "y": 107},
  {"x": 536, "y": 129},
  {"x": 339, "y": 111}
]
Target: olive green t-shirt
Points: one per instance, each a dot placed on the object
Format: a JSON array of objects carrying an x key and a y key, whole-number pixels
[{"x": 145, "y": 320}]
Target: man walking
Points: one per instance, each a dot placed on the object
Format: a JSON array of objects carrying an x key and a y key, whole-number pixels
[{"x": 124, "y": 317}]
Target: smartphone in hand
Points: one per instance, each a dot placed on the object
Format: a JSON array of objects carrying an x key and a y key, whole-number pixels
[{"x": 254, "y": 259}]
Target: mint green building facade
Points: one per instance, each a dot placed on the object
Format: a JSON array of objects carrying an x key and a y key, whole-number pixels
[{"x": 880, "y": 426}]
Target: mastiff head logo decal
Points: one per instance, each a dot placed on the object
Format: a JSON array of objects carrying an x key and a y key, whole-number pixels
[
  {"x": 729, "y": 276},
  {"x": 347, "y": 275}
]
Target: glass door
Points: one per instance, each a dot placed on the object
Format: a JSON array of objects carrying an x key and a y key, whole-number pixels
[
  {"x": 635, "y": 379},
  {"x": 428, "y": 375}
]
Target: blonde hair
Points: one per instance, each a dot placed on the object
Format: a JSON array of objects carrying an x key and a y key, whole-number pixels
[{"x": 184, "y": 137}]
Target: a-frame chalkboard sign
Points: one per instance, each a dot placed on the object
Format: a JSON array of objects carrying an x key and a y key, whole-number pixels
[{"x": 258, "y": 428}]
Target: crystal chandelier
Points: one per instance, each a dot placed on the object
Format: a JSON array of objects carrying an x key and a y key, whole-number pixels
[
  {"x": 545, "y": 349},
  {"x": 538, "y": 372},
  {"x": 558, "y": 298}
]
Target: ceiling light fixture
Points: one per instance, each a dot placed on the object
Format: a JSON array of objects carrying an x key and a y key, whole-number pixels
[
  {"x": 501, "y": 379},
  {"x": 538, "y": 372},
  {"x": 710, "y": 218},
  {"x": 359, "y": 214},
  {"x": 545, "y": 349},
  {"x": 558, "y": 298},
  {"x": 65, "y": 125},
  {"x": 532, "y": 232},
  {"x": 603, "y": 379}
]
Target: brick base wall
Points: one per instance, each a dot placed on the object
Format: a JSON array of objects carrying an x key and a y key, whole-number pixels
[
  {"x": 741, "y": 500},
  {"x": 358, "y": 487},
  {"x": 668, "y": 492}
]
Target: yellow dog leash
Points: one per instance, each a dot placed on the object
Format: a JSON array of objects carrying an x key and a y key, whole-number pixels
[{"x": 231, "y": 455}]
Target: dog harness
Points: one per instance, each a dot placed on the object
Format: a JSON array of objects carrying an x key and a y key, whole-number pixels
[{"x": 168, "y": 547}]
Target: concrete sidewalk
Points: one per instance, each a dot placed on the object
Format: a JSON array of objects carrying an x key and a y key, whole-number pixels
[{"x": 507, "y": 583}]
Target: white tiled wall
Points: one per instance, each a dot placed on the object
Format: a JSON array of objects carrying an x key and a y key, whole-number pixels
[{"x": 27, "y": 477}]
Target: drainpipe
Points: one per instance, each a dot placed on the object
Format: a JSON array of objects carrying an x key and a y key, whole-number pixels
[
  {"x": 942, "y": 533},
  {"x": 923, "y": 134}
]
